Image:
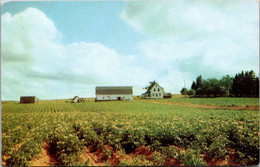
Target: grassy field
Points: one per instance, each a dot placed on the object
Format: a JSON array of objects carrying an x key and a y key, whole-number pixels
[{"x": 176, "y": 131}]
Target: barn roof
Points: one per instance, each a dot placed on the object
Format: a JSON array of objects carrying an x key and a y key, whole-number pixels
[
  {"x": 114, "y": 90},
  {"x": 28, "y": 96}
]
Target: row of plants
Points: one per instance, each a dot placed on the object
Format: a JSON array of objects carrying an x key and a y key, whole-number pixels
[{"x": 126, "y": 126}]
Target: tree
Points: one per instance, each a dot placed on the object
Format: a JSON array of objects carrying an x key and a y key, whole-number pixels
[
  {"x": 245, "y": 84},
  {"x": 199, "y": 82},
  {"x": 226, "y": 83},
  {"x": 184, "y": 91},
  {"x": 191, "y": 92},
  {"x": 194, "y": 86}
]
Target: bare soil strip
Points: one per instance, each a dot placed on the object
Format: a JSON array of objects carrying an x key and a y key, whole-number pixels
[{"x": 45, "y": 158}]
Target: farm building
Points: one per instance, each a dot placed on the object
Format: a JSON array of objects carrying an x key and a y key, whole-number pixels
[
  {"x": 76, "y": 99},
  {"x": 114, "y": 93},
  {"x": 27, "y": 99},
  {"x": 167, "y": 95},
  {"x": 154, "y": 91}
]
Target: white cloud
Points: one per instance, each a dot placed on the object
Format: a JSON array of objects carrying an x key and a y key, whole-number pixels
[
  {"x": 211, "y": 39},
  {"x": 35, "y": 62},
  {"x": 190, "y": 18},
  {"x": 187, "y": 40}
]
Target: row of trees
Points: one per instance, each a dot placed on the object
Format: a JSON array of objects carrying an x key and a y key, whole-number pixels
[{"x": 244, "y": 84}]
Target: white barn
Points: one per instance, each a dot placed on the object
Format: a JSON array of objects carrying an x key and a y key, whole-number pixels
[
  {"x": 114, "y": 93},
  {"x": 154, "y": 91}
]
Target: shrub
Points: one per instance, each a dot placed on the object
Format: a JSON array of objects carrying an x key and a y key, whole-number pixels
[{"x": 192, "y": 159}]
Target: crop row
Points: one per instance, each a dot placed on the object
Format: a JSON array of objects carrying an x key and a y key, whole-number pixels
[{"x": 125, "y": 126}]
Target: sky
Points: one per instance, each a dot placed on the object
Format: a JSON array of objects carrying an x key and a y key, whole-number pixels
[{"x": 60, "y": 49}]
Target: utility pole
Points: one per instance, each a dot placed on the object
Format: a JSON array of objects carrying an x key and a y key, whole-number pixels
[{"x": 185, "y": 91}]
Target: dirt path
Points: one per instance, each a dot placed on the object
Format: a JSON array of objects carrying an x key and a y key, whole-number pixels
[
  {"x": 93, "y": 159},
  {"x": 204, "y": 106},
  {"x": 45, "y": 158}
]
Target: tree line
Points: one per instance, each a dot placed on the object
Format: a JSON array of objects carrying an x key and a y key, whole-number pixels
[{"x": 244, "y": 84}]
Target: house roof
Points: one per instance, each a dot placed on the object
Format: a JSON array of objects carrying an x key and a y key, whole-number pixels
[
  {"x": 114, "y": 90},
  {"x": 151, "y": 86}
]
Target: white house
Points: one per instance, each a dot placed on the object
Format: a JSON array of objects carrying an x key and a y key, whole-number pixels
[
  {"x": 114, "y": 93},
  {"x": 154, "y": 91}
]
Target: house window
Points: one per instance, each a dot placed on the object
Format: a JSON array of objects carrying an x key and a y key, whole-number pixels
[
  {"x": 159, "y": 94},
  {"x": 156, "y": 94},
  {"x": 154, "y": 89},
  {"x": 153, "y": 94},
  {"x": 158, "y": 89}
]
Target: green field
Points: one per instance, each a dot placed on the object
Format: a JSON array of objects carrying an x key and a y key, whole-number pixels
[{"x": 96, "y": 133}]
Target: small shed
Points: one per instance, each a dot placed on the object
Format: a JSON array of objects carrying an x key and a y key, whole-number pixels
[
  {"x": 27, "y": 99},
  {"x": 76, "y": 99},
  {"x": 167, "y": 95}
]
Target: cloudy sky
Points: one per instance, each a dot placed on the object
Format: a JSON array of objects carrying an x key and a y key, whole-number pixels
[{"x": 60, "y": 49}]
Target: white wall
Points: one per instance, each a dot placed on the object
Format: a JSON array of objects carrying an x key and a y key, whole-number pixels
[
  {"x": 114, "y": 97},
  {"x": 156, "y": 90}
]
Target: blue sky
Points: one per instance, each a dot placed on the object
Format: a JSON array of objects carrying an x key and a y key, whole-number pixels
[{"x": 62, "y": 49}]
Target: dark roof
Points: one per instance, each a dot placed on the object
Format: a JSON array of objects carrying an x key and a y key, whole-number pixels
[
  {"x": 114, "y": 90},
  {"x": 75, "y": 97},
  {"x": 150, "y": 87},
  {"x": 27, "y": 99},
  {"x": 28, "y": 96}
]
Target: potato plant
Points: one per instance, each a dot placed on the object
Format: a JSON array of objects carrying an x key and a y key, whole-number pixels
[{"x": 126, "y": 125}]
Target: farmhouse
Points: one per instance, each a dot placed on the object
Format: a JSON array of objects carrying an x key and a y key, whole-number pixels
[
  {"x": 27, "y": 99},
  {"x": 114, "y": 93},
  {"x": 154, "y": 91},
  {"x": 76, "y": 99}
]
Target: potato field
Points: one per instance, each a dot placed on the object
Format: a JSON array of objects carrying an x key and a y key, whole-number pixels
[{"x": 142, "y": 132}]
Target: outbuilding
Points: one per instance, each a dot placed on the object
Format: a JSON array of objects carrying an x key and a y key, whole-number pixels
[
  {"x": 167, "y": 95},
  {"x": 27, "y": 99},
  {"x": 76, "y": 99},
  {"x": 114, "y": 93}
]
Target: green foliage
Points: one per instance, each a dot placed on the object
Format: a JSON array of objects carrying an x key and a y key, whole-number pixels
[
  {"x": 192, "y": 159},
  {"x": 128, "y": 125},
  {"x": 107, "y": 153},
  {"x": 184, "y": 91},
  {"x": 191, "y": 92},
  {"x": 124, "y": 163},
  {"x": 243, "y": 84},
  {"x": 68, "y": 149},
  {"x": 158, "y": 159}
]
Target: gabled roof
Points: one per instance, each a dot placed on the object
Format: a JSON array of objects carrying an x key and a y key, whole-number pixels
[
  {"x": 75, "y": 97},
  {"x": 151, "y": 86},
  {"x": 114, "y": 90}
]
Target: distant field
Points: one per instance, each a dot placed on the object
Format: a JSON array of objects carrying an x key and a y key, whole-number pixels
[
  {"x": 221, "y": 101},
  {"x": 138, "y": 132}
]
